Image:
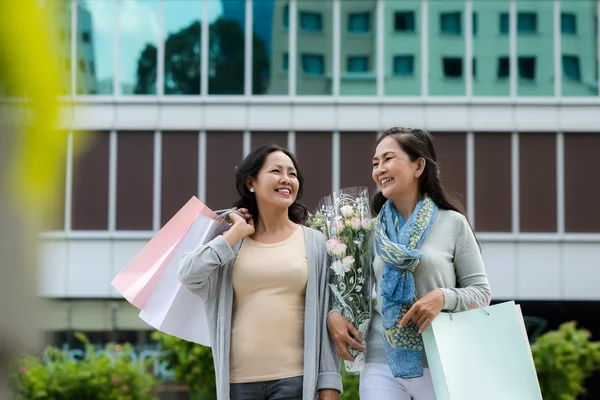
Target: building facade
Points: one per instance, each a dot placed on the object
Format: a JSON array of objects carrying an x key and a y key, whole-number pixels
[{"x": 509, "y": 89}]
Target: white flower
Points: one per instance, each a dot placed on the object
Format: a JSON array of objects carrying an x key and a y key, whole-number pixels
[
  {"x": 367, "y": 224},
  {"x": 347, "y": 211},
  {"x": 339, "y": 268},
  {"x": 358, "y": 288},
  {"x": 330, "y": 245},
  {"x": 355, "y": 223},
  {"x": 338, "y": 226},
  {"x": 339, "y": 249},
  {"x": 348, "y": 261}
]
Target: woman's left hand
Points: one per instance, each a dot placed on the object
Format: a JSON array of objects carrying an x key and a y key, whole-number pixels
[
  {"x": 329, "y": 394},
  {"x": 424, "y": 311}
]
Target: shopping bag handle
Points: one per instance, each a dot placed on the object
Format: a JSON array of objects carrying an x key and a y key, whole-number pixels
[
  {"x": 221, "y": 214},
  {"x": 476, "y": 300}
]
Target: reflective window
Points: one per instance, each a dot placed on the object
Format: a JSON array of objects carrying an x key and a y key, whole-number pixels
[
  {"x": 59, "y": 12},
  {"x": 226, "y": 47},
  {"x": 446, "y": 48},
  {"x": 535, "y": 48},
  {"x": 182, "y": 47},
  {"x": 491, "y": 48},
  {"x": 359, "y": 22},
  {"x": 314, "y": 45},
  {"x": 402, "y": 48},
  {"x": 358, "y": 75},
  {"x": 95, "y": 47},
  {"x": 579, "y": 47},
  {"x": 269, "y": 48},
  {"x": 404, "y": 65},
  {"x": 138, "y": 35}
]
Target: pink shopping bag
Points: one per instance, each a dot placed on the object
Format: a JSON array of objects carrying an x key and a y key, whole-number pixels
[{"x": 137, "y": 280}]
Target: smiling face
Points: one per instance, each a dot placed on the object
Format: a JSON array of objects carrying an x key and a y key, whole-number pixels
[
  {"x": 276, "y": 184},
  {"x": 395, "y": 174}
]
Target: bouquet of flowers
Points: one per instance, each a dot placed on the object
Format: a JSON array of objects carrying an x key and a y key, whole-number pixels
[{"x": 345, "y": 219}]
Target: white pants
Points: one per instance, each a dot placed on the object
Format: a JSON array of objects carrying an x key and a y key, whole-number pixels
[{"x": 378, "y": 383}]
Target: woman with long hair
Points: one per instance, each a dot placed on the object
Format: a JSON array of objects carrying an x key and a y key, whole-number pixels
[
  {"x": 264, "y": 284},
  {"x": 427, "y": 260}
]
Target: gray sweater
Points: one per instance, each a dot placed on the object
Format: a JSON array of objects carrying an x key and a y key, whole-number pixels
[
  {"x": 450, "y": 256},
  {"x": 206, "y": 272}
]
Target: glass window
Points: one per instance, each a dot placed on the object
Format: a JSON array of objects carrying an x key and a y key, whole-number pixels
[
  {"x": 404, "y": 65},
  {"x": 315, "y": 48},
  {"x": 358, "y": 76},
  {"x": 358, "y": 64},
  {"x": 313, "y": 64},
  {"x": 489, "y": 47},
  {"x": 402, "y": 48},
  {"x": 227, "y": 47},
  {"x": 503, "y": 67},
  {"x": 404, "y": 21},
  {"x": 359, "y": 22},
  {"x": 183, "y": 47},
  {"x": 311, "y": 22},
  {"x": 568, "y": 23},
  {"x": 453, "y": 67},
  {"x": 527, "y": 68},
  {"x": 96, "y": 27},
  {"x": 504, "y": 23},
  {"x": 446, "y": 48},
  {"x": 570, "y": 65},
  {"x": 286, "y": 61},
  {"x": 286, "y": 16},
  {"x": 579, "y": 47},
  {"x": 270, "y": 43},
  {"x": 450, "y": 23},
  {"x": 535, "y": 48},
  {"x": 138, "y": 35},
  {"x": 526, "y": 22}
]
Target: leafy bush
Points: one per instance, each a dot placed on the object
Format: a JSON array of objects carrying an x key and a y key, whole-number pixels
[
  {"x": 108, "y": 376},
  {"x": 564, "y": 359}
]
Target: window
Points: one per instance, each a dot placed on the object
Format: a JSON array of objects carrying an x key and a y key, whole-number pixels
[
  {"x": 359, "y": 22},
  {"x": 62, "y": 34},
  {"x": 286, "y": 61},
  {"x": 527, "y": 67},
  {"x": 474, "y": 24},
  {"x": 570, "y": 65},
  {"x": 85, "y": 36},
  {"x": 453, "y": 67},
  {"x": 450, "y": 23},
  {"x": 92, "y": 68},
  {"x": 526, "y": 23},
  {"x": 404, "y": 21},
  {"x": 568, "y": 23},
  {"x": 503, "y": 67},
  {"x": 504, "y": 23},
  {"x": 404, "y": 65},
  {"x": 286, "y": 16},
  {"x": 313, "y": 64},
  {"x": 82, "y": 65},
  {"x": 474, "y": 67},
  {"x": 311, "y": 22},
  {"x": 67, "y": 64},
  {"x": 358, "y": 64}
]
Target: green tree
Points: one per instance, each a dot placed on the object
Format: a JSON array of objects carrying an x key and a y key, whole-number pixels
[{"x": 226, "y": 61}]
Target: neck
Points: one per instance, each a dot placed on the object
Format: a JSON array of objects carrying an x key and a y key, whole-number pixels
[
  {"x": 405, "y": 204},
  {"x": 273, "y": 221}
]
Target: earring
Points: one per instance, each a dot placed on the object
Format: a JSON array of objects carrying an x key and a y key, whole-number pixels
[{"x": 252, "y": 190}]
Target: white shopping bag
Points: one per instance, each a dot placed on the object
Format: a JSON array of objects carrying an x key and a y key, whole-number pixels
[
  {"x": 171, "y": 308},
  {"x": 481, "y": 354}
]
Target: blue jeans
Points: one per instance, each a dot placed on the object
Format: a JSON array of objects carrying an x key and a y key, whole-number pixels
[{"x": 281, "y": 389}]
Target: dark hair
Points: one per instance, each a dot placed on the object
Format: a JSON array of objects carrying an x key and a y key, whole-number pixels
[
  {"x": 250, "y": 167},
  {"x": 418, "y": 143}
]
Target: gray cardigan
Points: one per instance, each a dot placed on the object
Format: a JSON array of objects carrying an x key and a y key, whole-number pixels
[{"x": 206, "y": 272}]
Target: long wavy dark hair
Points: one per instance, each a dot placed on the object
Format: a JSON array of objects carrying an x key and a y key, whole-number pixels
[
  {"x": 250, "y": 167},
  {"x": 418, "y": 143}
]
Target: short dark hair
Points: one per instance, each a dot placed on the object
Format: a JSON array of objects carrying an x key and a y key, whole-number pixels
[{"x": 250, "y": 167}]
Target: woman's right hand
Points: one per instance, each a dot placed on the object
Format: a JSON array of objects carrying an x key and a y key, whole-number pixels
[
  {"x": 240, "y": 227},
  {"x": 343, "y": 333}
]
